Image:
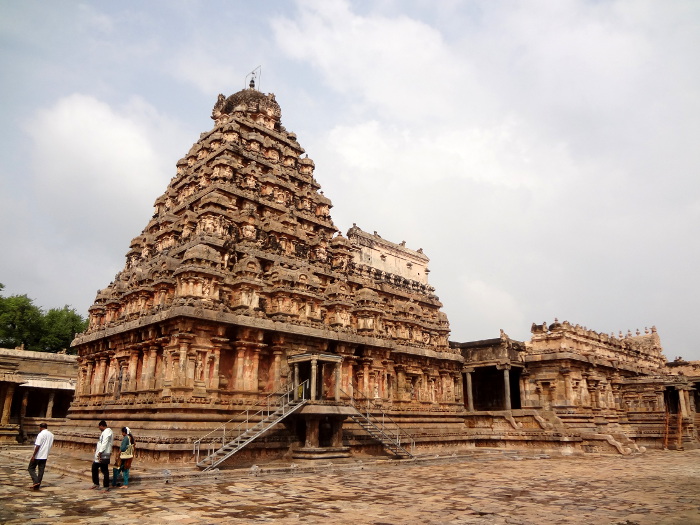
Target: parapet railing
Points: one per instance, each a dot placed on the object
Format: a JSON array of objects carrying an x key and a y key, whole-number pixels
[
  {"x": 278, "y": 401},
  {"x": 368, "y": 408}
]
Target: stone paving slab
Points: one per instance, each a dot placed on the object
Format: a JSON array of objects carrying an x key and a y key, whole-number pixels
[{"x": 654, "y": 488}]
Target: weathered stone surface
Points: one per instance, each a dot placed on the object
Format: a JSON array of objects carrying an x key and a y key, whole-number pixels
[
  {"x": 240, "y": 269},
  {"x": 241, "y": 284},
  {"x": 35, "y": 387}
]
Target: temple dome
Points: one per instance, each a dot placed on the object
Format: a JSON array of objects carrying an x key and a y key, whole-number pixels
[
  {"x": 249, "y": 100},
  {"x": 202, "y": 252}
]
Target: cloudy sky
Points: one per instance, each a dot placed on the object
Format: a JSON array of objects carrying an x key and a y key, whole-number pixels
[{"x": 542, "y": 153}]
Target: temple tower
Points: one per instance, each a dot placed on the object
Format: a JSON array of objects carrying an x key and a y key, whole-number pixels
[{"x": 240, "y": 278}]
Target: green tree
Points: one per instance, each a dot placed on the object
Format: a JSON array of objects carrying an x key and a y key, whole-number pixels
[
  {"x": 60, "y": 327},
  {"x": 21, "y": 323}
]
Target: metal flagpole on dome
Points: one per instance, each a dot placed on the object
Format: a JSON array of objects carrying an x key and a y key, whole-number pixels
[{"x": 254, "y": 76}]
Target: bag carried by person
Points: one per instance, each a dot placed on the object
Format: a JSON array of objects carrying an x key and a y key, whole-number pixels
[{"x": 129, "y": 452}]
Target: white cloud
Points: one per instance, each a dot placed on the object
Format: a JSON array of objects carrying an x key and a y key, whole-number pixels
[
  {"x": 96, "y": 169},
  {"x": 490, "y": 308},
  {"x": 543, "y": 151},
  {"x": 394, "y": 63}
]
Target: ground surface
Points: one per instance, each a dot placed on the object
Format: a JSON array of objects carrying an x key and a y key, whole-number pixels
[{"x": 655, "y": 488}]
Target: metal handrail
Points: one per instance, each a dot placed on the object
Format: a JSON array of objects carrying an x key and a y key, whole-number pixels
[
  {"x": 280, "y": 398},
  {"x": 381, "y": 425}
]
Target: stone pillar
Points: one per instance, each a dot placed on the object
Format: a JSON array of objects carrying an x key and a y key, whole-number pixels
[
  {"x": 660, "y": 403},
  {"x": 585, "y": 391},
  {"x": 458, "y": 388},
  {"x": 470, "y": 392},
  {"x": 122, "y": 376},
  {"x": 401, "y": 382},
  {"x": 169, "y": 360},
  {"x": 151, "y": 367},
  {"x": 314, "y": 371},
  {"x": 276, "y": 368},
  {"x": 87, "y": 380},
  {"x": 312, "y": 424},
  {"x": 349, "y": 371},
  {"x": 23, "y": 406},
  {"x": 133, "y": 370},
  {"x": 215, "y": 357},
  {"x": 682, "y": 404},
  {"x": 238, "y": 366},
  {"x": 254, "y": 380},
  {"x": 506, "y": 382},
  {"x": 568, "y": 387},
  {"x": 593, "y": 395},
  {"x": 49, "y": 405},
  {"x": 338, "y": 378},
  {"x": 7, "y": 404},
  {"x": 337, "y": 432},
  {"x": 100, "y": 376},
  {"x": 296, "y": 381},
  {"x": 365, "y": 377}
]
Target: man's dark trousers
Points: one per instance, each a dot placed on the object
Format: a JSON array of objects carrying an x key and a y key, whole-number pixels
[
  {"x": 32, "y": 468},
  {"x": 96, "y": 468}
]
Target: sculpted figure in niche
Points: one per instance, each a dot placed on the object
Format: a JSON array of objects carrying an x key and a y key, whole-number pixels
[
  {"x": 250, "y": 182},
  {"x": 321, "y": 254},
  {"x": 199, "y": 368},
  {"x": 280, "y": 196},
  {"x": 248, "y": 231}
]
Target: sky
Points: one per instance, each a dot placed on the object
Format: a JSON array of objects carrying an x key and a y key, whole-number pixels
[{"x": 542, "y": 153}]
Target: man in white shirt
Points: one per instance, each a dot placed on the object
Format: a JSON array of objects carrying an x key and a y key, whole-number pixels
[
  {"x": 102, "y": 455},
  {"x": 42, "y": 445}
]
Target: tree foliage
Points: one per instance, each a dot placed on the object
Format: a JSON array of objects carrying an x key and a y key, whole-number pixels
[{"x": 24, "y": 324}]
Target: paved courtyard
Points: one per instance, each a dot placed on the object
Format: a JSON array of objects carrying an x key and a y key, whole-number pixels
[{"x": 655, "y": 488}]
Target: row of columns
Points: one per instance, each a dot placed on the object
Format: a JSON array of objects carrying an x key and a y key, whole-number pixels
[
  {"x": 470, "y": 386},
  {"x": 182, "y": 364},
  {"x": 7, "y": 392}
]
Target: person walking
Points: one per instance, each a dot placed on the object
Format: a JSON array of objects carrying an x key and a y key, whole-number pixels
[
  {"x": 102, "y": 455},
  {"x": 42, "y": 446},
  {"x": 126, "y": 454}
]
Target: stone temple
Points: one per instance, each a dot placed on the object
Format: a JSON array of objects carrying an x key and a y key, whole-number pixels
[{"x": 244, "y": 326}]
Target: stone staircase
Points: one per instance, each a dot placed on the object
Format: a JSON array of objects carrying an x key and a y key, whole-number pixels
[
  {"x": 599, "y": 432},
  {"x": 389, "y": 442},
  {"x": 377, "y": 423},
  {"x": 276, "y": 407}
]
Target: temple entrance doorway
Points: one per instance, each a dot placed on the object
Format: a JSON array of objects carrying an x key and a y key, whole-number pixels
[
  {"x": 319, "y": 423},
  {"x": 671, "y": 400},
  {"x": 316, "y": 376},
  {"x": 488, "y": 388},
  {"x": 495, "y": 388}
]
